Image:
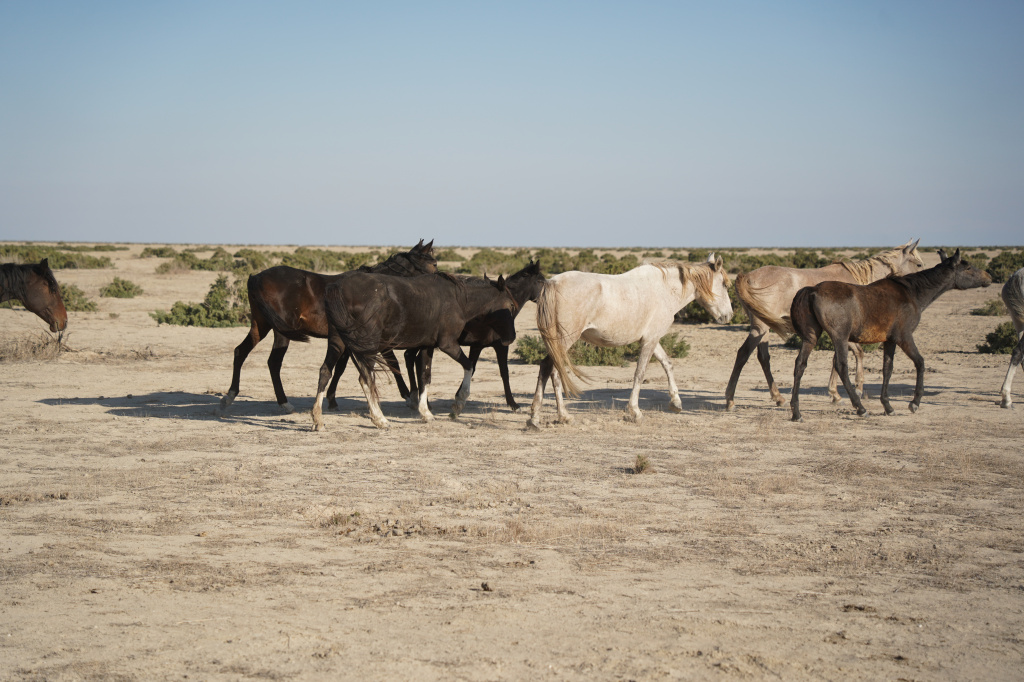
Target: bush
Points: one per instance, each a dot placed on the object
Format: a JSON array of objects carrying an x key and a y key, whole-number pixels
[
  {"x": 158, "y": 252},
  {"x": 449, "y": 255},
  {"x": 224, "y": 306},
  {"x": 992, "y": 307},
  {"x": 1002, "y": 340},
  {"x": 121, "y": 288},
  {"x": 95, "y": 247},
  {"x": 1005, "y": 264},
  {"x": 33, "y": 253},
  {"x": 531, "y": 350},
  {"x": 75, "y": 299}
]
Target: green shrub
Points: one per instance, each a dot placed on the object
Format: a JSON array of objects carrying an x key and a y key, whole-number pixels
[
  {"x": 1005, "y": 264},
  {"x": 824, "y": 343},
  {"x": 694, "y": 313},
  {"x": 158, "y": 252},
  {"x": 653, "y": 254},
  {"x": 978, "y": 260},
  {"x": 224, "y": 306},
  {"x": 94, "y": 247},
  {"x": 75, "y": 299},
  {"x": 531, "y": 350},
  {"x": 698, "y": 255},
  {"x": 992, "y": 307},
  {"x": 449, "y": 255},
  {"x": 59, "y": 260},
  {"x": 121, "y": 288},
  {"x": 1002, "y": 340}
]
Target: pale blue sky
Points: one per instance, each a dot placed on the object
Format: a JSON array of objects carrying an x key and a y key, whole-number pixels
[{"x": 521, "y": 124}]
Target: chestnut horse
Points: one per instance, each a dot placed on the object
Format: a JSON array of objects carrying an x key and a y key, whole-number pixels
[
  {"x": 290, "y": 302},
  {"x": 886, "y": 311},
  {"x": 368, "y": 314},
  {"x": 37, "y": 289},
  {"x": 1013, "y": 297},
  {"x": 491, "y": 331}
]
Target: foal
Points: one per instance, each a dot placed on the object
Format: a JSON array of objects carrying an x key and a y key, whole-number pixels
[
  {"x": 886, "y": 311},
  {"x": 1013, "y": 297}
]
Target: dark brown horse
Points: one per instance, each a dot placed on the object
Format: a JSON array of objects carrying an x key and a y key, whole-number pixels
[
  {"x": 491, "y": 331},
  {"x": 37, "y": 289},
  {"x": 368, "y": 314},
  {"x": 290, "y": 302},
  {"x": 886, "y": 311}
]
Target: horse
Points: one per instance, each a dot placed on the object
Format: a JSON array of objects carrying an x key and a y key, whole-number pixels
[
  {"x": 490, "y": 331},
  {"x": 369, "y": 313},
  {"x": 290, "y": 302},
  {"x": 886, "y": 311},
  {"x": 766, "y": 295},
  {"x": 615, "y": 310},
  {"x": 1013, "y": 296},
  {"x": 37, "y": 289}
]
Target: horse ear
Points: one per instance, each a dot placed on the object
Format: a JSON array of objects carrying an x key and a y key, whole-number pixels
[
  {"x": 719, "y": 263},
  {"x": 956, "y": 257},
  {"x": 429, "y": 246},
  {"x": 913, "y": 247},
  {"x": 419, "y": 245},
  {"x": 45, "y": 263},
  {"x": 942, "y": 255},
  {"x": 501, "y": 282}
]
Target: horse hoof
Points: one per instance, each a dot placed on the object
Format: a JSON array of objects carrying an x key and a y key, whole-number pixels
[
  {"x": 453, "y": 415},
  {"x": 779, "y": 402},
  {"x": 333, "y": 407},
  {"x": 730, "y": 406},
  {"x": 889, "y": 412},
  {"x": 676, "y": 407},
  {"x": 797, "y": 418},
  {"x": 532, "y": 426},
  {"x": 318, "y": 426},
  {"x": 286, "y": 408},
  {"x": 835, "y": 398},
  {"x": 913, "y": 407},
  {"x": 861, "y": 412},
  {"x": 1006, "y": 405},
  {"x": 426, "y": 418},
  {"x": 514, "y": 408}
]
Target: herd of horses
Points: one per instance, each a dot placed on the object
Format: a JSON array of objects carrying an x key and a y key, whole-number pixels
[{"x": 404, "y": 303}]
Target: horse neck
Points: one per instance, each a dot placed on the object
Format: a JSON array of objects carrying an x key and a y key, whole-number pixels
[
  {"x": 520, "y": 289},
  {"x": 927, "y": 286},
  {"x": 11, "y": 285},
  {"x": 480, "y": 299}
]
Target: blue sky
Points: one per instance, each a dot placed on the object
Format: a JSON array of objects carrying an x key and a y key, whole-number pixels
[{"x": 675, "y": 124}]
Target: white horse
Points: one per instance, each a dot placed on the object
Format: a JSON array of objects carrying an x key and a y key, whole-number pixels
[
  {"x": 1013, "y": 297},
  {"x": 615, "y": 310}
]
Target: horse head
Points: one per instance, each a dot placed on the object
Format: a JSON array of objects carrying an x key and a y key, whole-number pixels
[
  {"x": 965, "y": 275},
  {"x": 908, "y": 260},
  {"x": 715, "y": 298},
  {"x": 42, "y": 297},
  {"x": 527, "y": 284}
]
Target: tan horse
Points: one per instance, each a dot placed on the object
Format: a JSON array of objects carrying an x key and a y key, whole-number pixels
[
  {"x": 767, "y": 295},
  {"x": 615, "y": 310}
]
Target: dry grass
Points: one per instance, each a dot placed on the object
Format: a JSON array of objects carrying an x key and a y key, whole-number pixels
[{"x": 42, "y": 347}]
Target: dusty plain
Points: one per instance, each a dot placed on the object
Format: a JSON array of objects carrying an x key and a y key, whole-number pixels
[{"x": 145, "y": 537}]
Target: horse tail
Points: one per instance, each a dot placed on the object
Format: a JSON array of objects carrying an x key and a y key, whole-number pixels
[
  {"x": 755, "y": 307},
  {"x": 554, "y": 336},
  {"x": 804, "y": 315},
  {"x": 260, "y": 306}
]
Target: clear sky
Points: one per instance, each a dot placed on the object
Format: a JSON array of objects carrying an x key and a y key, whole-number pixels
[{"x": 674, "y": 124}]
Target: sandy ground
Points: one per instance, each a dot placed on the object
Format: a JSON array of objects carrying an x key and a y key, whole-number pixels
[{"x": 144, "y": 537}]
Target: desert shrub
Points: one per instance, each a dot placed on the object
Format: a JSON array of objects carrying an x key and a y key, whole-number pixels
[
  {"x": 991, "y": 308},
  {"x": 75, "y": 299},
  {"x": 698, "y": 255},
  {"x": 493, "y": 262},
  {"x": 225, "y": 305},
  {"x": 824, "y": 343},
  {"x": 250, "y": 260},
  {"x": 87, "y": 247},
  {"x": 531, "y": 350},
  {"x": 449, "y": 255},
  {"x": 45, "y": 346},
  {"x": 1002, "y": 340},
  {"x": 158, "y": 252},
  {"x": 806, "y": 258},
  {"x": 59, "y": 260},
  {"x": 325, "y": 260},
  {"x": 121, "y": 288},
  {"x": 641, "y": 464},
  {"x": 653, "y": 254},
  {"x": 978, "y": 260},
  {"x": 1005, "y": 264},
  {"x": 610, "y": 265}
]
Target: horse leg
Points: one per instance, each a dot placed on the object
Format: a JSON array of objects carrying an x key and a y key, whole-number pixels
[
  {"x": 242, "y": 351},
  {"x": 501, "y": 353},
  {"x": 389, "y": 357},
  {"x": 633, "y": 413},
  {"x": 453, "y": 350},
  {"x": 840, "y": 363},
  {"x": 274, "y": 363},
  {"x": 424, "y": 363},
  {"x": 798, "y": 372},
  {"x": 474, "y": 356},
  {"x": 332, "y": 399},
  {"x": 367, "y": 382},
  {"x": 766, "y": 365},
  {"x": 742, "y": 355},
  {"x": 411, "y": 368},
  {"x": 546, "y": 367},
  {"x": 858, "y": 352},
  {"x": 334, "y": 346},
  {"x": 1015, "y": 359},
  {"x": 888, "y": 350},
  {"x": 910, "y": 348},
  {"x": 556, "y": 386},
  {"x": 666, "y": 364}
]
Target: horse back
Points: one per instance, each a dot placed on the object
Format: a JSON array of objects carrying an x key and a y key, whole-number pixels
[
  {"x": 868, "y": 313},
  {"x": 290, "y": 300}
]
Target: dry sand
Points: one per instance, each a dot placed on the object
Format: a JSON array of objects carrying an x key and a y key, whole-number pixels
[{"x": 144, "y": 537}]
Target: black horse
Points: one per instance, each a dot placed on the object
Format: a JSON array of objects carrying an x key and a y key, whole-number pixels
[
  {"x": 368, "y": 314},
  {"x": 291, "y": 302},
  {"x": 489, "y": 331},
  {"x": 37, "y": 289},
  {"x": 886, "y": 311}
]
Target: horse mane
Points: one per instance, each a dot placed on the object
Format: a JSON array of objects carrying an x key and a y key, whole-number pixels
[
  {"x": 14, "y": 279},
  {"x": 700, "y": 274},
  {"x": 861, "y": 269},
  {"x": 925, "y": 279}
]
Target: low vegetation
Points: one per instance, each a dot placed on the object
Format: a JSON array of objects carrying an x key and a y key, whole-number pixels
[
  {"x": 121, "y": 288},
  {"x": 75, "y": 299},
  {"x": 44, "y": 346},
  {"x": 991, "y": 308},
  {"x": 225, "y": 305},
  {"x": 531, "y": 350},
  {"x": 1002, "y": 340},
  {"x": 1005, "y": 264},
  {"x": 58, "y": 258}
]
